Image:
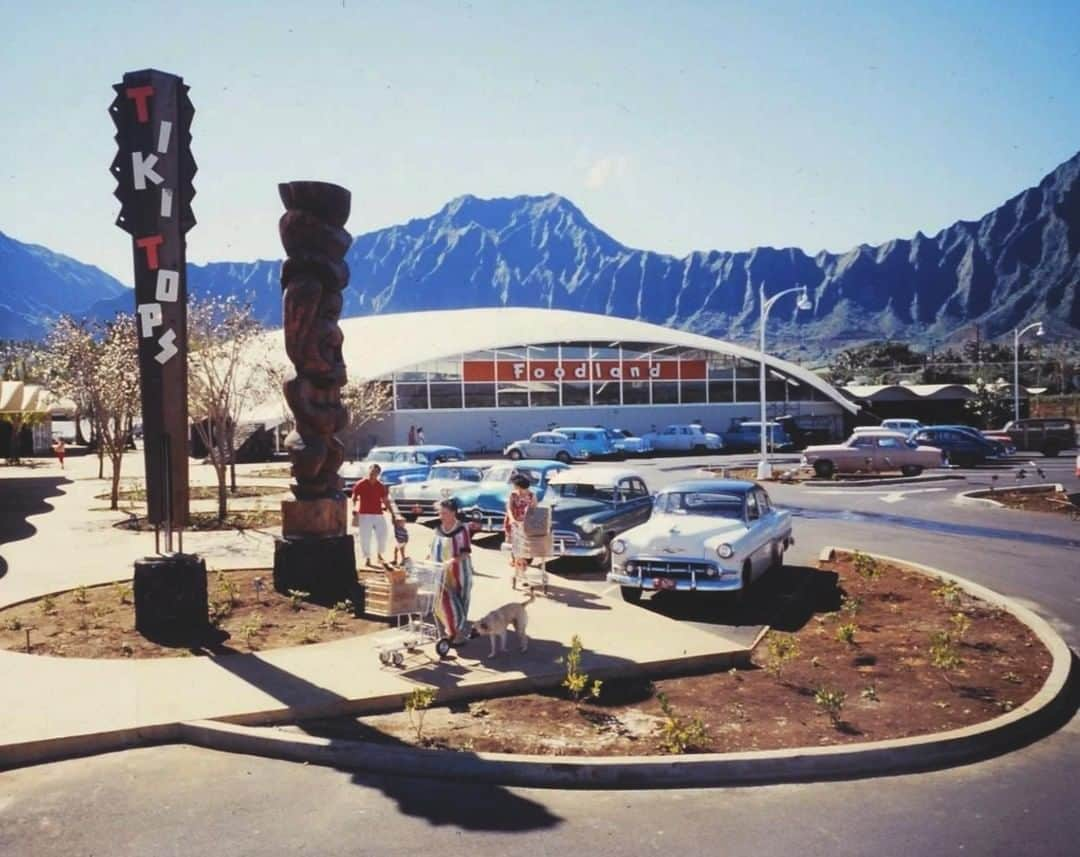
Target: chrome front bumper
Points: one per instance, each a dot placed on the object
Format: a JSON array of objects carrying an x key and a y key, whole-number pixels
[
  {"x": 656, "y": 574},
  {"x": 487, "y": 522}
]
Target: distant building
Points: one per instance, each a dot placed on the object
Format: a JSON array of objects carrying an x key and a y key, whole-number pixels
[{"x": 481, "y": 378}]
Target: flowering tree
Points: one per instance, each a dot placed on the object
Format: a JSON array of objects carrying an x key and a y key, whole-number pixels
[
  {"x": 227, "y": 372},
  {"x": 97, "y": 366},
  {"x": 366, "y": 402}
]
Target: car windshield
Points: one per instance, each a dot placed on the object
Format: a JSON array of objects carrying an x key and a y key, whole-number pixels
[
  {"x": 498, "y": 474},
  {"x": 462, "y": 474},
  {"x": 380, "y": 455},
  {"x": 603, "y": 493},
  {"x": 712, "y": 504}
]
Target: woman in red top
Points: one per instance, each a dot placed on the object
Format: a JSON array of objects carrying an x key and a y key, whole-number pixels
[{"x": 519, "y": 502}]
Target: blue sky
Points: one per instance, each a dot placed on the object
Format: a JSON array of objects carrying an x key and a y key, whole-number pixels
[{"x": 675, "y": 126}]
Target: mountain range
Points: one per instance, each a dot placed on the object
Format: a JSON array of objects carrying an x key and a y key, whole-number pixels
[{"x": 1019, "y": 262}]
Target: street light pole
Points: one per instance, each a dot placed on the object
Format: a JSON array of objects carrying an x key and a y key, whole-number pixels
[
  {"x": 764, "y": 468},
  {"x": 1017, "y": 333}
]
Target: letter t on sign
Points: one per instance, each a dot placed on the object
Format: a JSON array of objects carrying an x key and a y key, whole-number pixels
[{"x": 141, "y": 96}]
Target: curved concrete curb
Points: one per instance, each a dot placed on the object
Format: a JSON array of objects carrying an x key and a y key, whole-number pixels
[
  {"x": 984, "y": 495},
  {"x": 879, "y": 483},
  {"x": 905, "y": 755}
]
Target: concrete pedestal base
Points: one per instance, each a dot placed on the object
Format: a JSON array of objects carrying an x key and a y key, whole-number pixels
[
  {"x": 314, "y": 518},
  {"x": 170, "y": 598},
  {"x": 325, "y": 568}
]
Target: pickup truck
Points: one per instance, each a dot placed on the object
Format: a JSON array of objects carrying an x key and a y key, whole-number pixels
[{"x": 1046, "y": 435}]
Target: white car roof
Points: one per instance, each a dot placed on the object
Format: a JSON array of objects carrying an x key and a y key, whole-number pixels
[
  {"x": 482, "y": 464},
  {"x": 594, "y": 475},
  {"x": 880, "y": 432}
]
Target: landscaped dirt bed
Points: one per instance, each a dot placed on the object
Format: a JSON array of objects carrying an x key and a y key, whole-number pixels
[
  {"x": 922, "y": 658},
  {"x": 98, "y": 622},
  {"x": 1050, "y": 500},
  {"x": 204, "y": 492}
]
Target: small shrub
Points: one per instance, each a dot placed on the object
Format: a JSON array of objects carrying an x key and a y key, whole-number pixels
[
  {"x": 948, "y": 593},
  {"x": 961, "y": 624},
  {"x": 870, "y": 694},
  {"x": 123, "y": 593},
  {"x": 831, "y": 702},
  {"x": 333, "y": 619},
  {"x": 782, "y": 648},
  {"x": 127, "y": 650},
  {"x": 47, "y": 605},
  {"x": 677, "y": 736},
  {"x": 851, "y": 604},
  {"x": 345, "y": 607},
  {"x": 577, "y": 682},
  {"x": 219, "y": 611},
  {"x": 943, "y": 652},
  {"x": 309, "y": 634},
  {"x": 251, "y": 629},
  {"x": 1010, "y": 677},
  {"x": 866, "y": 566},
  {"x": 417, "y": 704},
  {"x": 846, "y": 633},
  {"x": 13, "y": 624},
  {"x": 80, "y": 595},
  {"x": 296, "y": 599},
  {"x": 227, "y": 590}
]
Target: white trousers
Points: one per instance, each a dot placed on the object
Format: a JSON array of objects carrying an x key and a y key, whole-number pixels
[{"x": 366, "y": 527}]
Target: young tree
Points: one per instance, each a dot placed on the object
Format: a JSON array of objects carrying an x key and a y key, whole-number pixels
[
  {"x": 115, "y": 393},
  {"x": 71, "y": 355},
  {"x": 227, "y": 372},
  {"x": 992, "y": 405},
  {"x": 366, "y": 402}
]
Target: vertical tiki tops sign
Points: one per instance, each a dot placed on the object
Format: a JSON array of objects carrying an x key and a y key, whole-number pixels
[{"x": 154, "y": 171}]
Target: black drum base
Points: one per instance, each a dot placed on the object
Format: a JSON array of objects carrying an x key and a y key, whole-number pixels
[
  {"x": 325, "y": 568},
  {"x": 170, "y": 598}
]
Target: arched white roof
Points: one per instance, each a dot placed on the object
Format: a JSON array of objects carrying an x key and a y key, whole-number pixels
[{"x": 376, "y": 345}]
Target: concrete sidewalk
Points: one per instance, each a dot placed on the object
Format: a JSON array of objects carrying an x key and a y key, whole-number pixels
[{"x": 52, "y": 702}]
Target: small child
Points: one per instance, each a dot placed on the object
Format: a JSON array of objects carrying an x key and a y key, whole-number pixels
[{"x": 401, "y": 539}]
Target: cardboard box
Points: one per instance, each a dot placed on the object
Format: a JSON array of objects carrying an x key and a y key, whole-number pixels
[{"x": 538, "y": 521}]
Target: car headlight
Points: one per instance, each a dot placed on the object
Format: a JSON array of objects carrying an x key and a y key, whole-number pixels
[
  {"x": 725, "y": 551},
  {"x": 618, "y": 546},
  {"x": 589, "y": 528}
]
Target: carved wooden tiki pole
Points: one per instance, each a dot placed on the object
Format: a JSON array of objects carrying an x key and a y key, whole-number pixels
[{"x": 315, "y": 554}]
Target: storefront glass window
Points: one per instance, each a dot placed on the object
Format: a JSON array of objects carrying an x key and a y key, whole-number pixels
[
  {"x": 544, "y": 395},
  {"x": 635, "y": 392},
  {"x": 446, "y": 395},
  {"x": 513, "y": 396},
  {"x": 665, "y": 392},
  {"x": 411, "y": 397},
  {"x": 720, "y": 391},
  {"x": 479, "y": 395},
  {"x": 574, "y": 394},
  {"x": 693, "y": 392},
  {"x": 606, "y": 393}
]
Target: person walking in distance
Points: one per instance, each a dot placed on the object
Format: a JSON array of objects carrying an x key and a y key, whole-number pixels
[
  {"x": 371, "y": 500},
  {"x": 59, "y": 449},
  {"x": 412, "y": 435},
  {"x": 420, "y": 435}
]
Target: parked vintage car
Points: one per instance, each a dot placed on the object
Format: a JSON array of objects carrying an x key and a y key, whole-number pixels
[
  {"x": 421, "y": 499},
  {"x": 627, "y": 443},
  {"x": 690, "y": 437},
  {"x": 546, "y": 444},
  {"x": 484, "y": 504},
  {"x": 399, "y": 463},
  {"x": 592, "y": 505},
  {"x": 1048, "y": 435},
  {"x": 705, "y": 535},
  {"x": 960, "y": 446},
  {"x": 592, "y": 440},
  {"x": 872, "y": 452},
  {"x": 745, "y": 436},
  {"x": 1002, "y": 448}
]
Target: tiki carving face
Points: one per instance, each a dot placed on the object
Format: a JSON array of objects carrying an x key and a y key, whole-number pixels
[{"x": 312, "y": 277}]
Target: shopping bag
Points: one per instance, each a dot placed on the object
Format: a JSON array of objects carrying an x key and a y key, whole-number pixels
[{"x": 537, "y": 521}]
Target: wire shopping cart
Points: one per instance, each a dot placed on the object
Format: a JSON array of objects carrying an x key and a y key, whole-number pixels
[{"x": 417, "y": 625}]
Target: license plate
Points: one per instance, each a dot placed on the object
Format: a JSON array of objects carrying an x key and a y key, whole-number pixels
[{"x": 663, "y": 583}]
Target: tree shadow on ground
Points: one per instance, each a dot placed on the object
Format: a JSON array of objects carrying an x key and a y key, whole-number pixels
[
  {"x": 21, "y": 499},
  {"x": 785, "y": 599},
  {"x": 473, "y": 807}
]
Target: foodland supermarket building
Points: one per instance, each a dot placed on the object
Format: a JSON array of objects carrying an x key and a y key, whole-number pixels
[{"x": 481, "y": 378}]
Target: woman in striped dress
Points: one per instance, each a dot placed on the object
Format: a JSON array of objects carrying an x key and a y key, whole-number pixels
[{"x": 451, "y": 547}]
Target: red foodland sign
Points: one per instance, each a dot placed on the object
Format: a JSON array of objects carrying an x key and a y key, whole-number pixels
[{"x": 584, "y": 370}]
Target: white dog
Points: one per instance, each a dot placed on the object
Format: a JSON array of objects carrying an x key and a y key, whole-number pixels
[{"x": 496, "y": 623}]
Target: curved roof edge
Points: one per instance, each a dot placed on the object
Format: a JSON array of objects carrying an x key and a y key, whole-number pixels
[{"x": 398, "y": 340}]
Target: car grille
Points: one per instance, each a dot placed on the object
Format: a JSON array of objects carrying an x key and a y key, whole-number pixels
[
  {"x": 670, "y": 568},
  {"x": 417, "y": 507},
  {"x": 568, "y": 538}
]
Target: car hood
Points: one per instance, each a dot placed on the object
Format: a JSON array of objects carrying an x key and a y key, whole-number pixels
[
  {"x": 433, "y": 487},
  {"x": 690, "y": 536},
  {"x": 827, "y": 447},
  {"x": 569, "y": 509}
]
